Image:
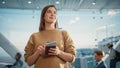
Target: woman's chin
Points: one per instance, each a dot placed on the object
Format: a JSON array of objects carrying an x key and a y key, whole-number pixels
[{"x": 51, "y": 22}]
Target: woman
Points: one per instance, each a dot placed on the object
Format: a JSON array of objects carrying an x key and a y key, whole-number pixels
[{"x": 48, "y": 31}]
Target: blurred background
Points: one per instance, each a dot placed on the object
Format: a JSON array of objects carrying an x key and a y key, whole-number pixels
[{"x": 91, "y": 24}]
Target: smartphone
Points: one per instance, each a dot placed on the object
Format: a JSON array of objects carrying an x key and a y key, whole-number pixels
[{"x": 49, "y": 45}]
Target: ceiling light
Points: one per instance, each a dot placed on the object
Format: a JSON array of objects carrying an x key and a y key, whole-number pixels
[
  {"x": 57, "y": 2},
  {"x": 77, "y": 18},
  {"x": 3, "y": 2},
  {"x": 29, "y": 2},
  {"x": 111, "y": 13},
  {"x": 101, "y": 17},
  {"x": 93, "y": 3}
]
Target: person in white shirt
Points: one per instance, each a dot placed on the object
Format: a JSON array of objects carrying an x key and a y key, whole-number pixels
[{"x": 112, "y": 55}]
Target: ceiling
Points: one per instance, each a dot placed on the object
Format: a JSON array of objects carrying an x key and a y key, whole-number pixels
[{"x": 60, "y": 4}]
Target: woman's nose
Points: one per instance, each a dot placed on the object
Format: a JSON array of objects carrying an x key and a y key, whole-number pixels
[{"x": 52, "y": 14}]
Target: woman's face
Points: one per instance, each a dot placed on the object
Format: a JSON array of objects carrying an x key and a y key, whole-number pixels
[{"x": 50, "y": 15}]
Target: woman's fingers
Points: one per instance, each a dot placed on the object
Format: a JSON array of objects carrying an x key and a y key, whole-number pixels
[
  {"x": 54, "y": 51},
  {"x": 41, "y": 49}
]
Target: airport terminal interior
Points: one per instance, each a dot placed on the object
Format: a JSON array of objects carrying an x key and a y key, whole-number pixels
[{"x": 92, "y": 24}]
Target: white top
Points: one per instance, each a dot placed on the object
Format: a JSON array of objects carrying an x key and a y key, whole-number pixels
[{"x": 112, "y": 53}]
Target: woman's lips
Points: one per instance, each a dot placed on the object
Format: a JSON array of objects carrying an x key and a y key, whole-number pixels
[{"x": 51, "y": 17}]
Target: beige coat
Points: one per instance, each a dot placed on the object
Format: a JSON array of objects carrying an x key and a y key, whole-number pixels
[{"x": 64, "y": 42}]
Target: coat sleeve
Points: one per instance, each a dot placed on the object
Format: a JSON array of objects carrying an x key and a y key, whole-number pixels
[
  {"x": 29, "y": 48},
  {"x": 68, "y": 44}
]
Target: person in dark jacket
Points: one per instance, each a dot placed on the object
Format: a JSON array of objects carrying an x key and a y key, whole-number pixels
[
  {"x": 18, "y": 63},
  {"x": 114, "y": 55},
  {"x": 98, "y": 54}
]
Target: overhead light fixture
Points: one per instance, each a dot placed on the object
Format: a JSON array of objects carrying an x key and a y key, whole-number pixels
[
  {"x": 101, "y": 17},
  {"x": 57, "y": 2},
  {"x": 93, "y": 17},
  {"x": 77, "y": 19},
  {"x": 93, "y": 3},
  {"x": 29, "y": 2},
  {"x": 112, "y": 13},
  {"x": 3, "y": 2}
]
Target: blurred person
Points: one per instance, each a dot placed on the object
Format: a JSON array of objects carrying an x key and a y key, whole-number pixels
[
  {"x": 98, "y": 55},
  {"x": 114, "y": 55},
  {"x": 18, "y": 63},
  {"x": 48, "y": 31}
]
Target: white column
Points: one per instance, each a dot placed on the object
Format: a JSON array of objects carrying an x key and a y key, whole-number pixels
[{"x": 8, "y": 46}]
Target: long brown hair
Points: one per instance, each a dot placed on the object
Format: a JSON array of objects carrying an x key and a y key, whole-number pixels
[{"x": 42, "y": 21}]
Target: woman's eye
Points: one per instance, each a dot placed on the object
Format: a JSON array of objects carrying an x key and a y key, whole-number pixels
[
  {"x": 48, "y": 11},
  {"x": 54, "y": 12}
]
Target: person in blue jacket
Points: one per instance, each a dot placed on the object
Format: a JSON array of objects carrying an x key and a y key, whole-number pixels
[{"x": 98, "y": 54}]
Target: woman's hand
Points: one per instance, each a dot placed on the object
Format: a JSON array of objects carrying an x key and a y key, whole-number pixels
[
  {"x": 33, "y": 58},
  {"x": 54, "y": 51},
  {"x": 61, "y": 54},
  {"x": 41, "y": 50}
]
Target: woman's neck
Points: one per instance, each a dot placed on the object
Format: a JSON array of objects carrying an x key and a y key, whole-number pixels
[{"x": 49, "y": 26}]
